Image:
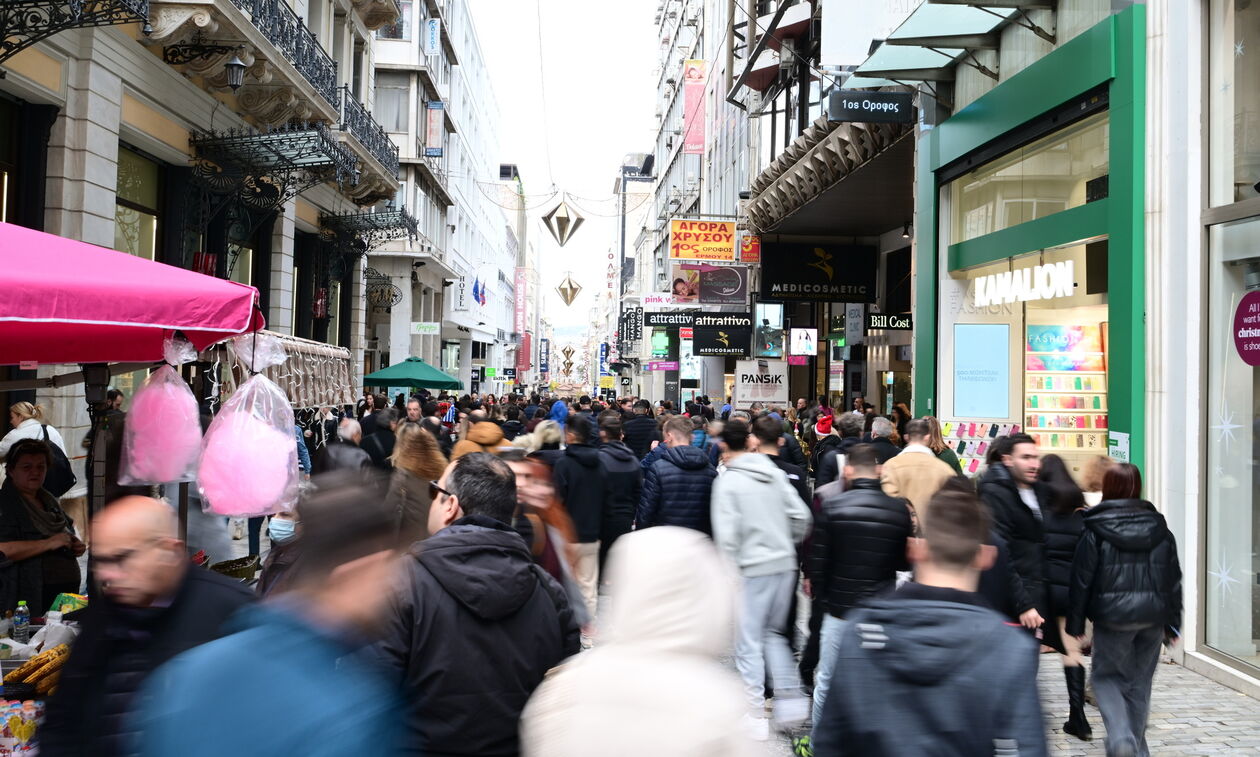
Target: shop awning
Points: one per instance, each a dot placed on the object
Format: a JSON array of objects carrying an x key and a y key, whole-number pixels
[
  {"x": 315, "y": 375},
  {"x": 412, "y": 372},
  {"x": 63, "y": 301}
]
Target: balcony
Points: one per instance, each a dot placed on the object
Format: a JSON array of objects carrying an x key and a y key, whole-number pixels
[
  {"x": 377, "y": 13},
  {"x": 377, "y": 152}
]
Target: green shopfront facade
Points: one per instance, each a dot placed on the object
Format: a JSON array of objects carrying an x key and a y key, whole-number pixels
[{"x": 1029, "y": 261}]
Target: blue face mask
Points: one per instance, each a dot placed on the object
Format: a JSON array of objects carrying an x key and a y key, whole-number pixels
[{"x": 280, "y": 529}]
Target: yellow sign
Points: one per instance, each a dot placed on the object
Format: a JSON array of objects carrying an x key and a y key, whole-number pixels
[
  {"x": 701, "y": 240},
  {"x": 607, "y": 382}
]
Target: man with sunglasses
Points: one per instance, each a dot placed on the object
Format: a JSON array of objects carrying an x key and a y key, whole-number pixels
[{"x": 150, "y": 607}]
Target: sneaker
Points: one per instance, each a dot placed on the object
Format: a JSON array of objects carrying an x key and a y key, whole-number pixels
[
  {"x": 755, "y": 728},
  {"x": 790, "y": 712},
  {"x": 238, "y": 529},
  {"x": 802, "y": 746}
]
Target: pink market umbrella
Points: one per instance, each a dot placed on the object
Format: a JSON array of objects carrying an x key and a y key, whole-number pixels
[{"x": 63, "y": 301}]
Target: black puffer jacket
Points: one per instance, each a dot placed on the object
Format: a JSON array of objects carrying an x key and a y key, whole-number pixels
[
  {"x": 828, "y": 469},
  {"x": 858, "y": 546},
  {"x": 639, "y": 432},
  {"x": 470, "y": 638},
  {"x": 581, "y": 484},
  {"x": 119, "y": 647},
  {"x": 1063, "y": 533},
  {"x": 824, "y": 446},
  {"x": 624, "y": 480},
  {"x": 1126, "y": 571},
  {"x": 1024, "y": 536},
  {"x": 676, "y": 490}
]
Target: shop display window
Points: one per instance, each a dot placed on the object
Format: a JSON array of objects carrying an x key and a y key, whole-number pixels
[
  {"x": 1234, "y": 96},
  {"x": 136, "y": 205}
]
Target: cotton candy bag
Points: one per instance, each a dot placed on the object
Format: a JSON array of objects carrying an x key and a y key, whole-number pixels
[
  {"x": 162, "y": 436},
  {"x": 249, "y": 463}
]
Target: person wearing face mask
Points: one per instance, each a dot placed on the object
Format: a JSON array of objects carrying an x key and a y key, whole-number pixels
[{"x": 282, "y": 530}]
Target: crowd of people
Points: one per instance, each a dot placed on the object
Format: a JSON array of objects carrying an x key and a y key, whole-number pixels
[{"x": 554, "y": 576}]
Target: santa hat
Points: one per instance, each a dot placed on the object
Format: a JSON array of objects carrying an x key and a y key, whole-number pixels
[{"x": 823, "y": 426}]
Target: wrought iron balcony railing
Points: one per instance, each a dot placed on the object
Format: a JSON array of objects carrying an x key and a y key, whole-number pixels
[
  {"x": 284, "y": 29},
  {"x": 356, "y": 120}
]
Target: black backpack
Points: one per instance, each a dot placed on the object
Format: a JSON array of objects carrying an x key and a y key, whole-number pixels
[{"x": 60, "y": 478}]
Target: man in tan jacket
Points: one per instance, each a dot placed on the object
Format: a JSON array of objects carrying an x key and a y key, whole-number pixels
[{"x": 915, "y": 474}]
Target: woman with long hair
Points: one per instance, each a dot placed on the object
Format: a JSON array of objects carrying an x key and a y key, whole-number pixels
[
  {"x": 1092, "y": 479},
  {"x": 936, "y": 442},
  {"x": 417, "y": 460},
  {"x": 1064, "y": 521},
  {"x": 901, "y": 415}
]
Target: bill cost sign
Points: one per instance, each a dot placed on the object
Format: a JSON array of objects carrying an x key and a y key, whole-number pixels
[
  {"x": 764, "y": 381},
  {"x": 701, "y": 240}
]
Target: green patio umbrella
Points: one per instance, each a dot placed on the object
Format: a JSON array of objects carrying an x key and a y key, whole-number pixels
[{"x": 412, "y": 372}]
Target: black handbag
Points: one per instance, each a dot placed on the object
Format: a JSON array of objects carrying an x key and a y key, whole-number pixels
[{"x": 60, "y": 478}]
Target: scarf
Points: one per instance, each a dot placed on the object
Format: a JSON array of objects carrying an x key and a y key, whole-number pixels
[{"x": 47, "y": 518}]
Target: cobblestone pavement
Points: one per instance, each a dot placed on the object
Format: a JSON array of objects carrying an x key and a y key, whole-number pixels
[{"x": 1190, "y": 715}]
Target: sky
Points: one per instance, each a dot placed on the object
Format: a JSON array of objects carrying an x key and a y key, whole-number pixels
[{"x": 569, "y": 122}]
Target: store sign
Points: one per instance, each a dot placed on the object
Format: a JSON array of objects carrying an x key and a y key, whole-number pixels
[
  {"x": 723, "y": 285},
  {"x": 426, "y": 328},
  {"x": 634, "y": 324},
  {"x": 832, "y": 273},
  {"x": 666, "y": 320},
  {"x": 509, "y": 373},
  {"x": 607, "y": 382},
  {"x": 461, "y": 295},
  {"x": 544, "y": 355},
  {"x": 702, "y": 240},
  {"x": 750, "y": 249},
  {"x": 889, "y": 322},
  {"x": 435, "y": 128},
  {"x": 663, "y": 365},
  {"x": 1042, "y": 282},
  {"x": 433, "y": 36},
  {"x": 722, "y": 341},
  {"x": 798, "y": 360},
  {"x": 1247, "y": 328},
  {"x": 764, "y": 381},
  {"x": 871, "y": 107},
  {"x": 603, "y": 359}
]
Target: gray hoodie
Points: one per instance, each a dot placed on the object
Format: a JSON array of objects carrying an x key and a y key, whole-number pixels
[{"x": 758, "y": 518}]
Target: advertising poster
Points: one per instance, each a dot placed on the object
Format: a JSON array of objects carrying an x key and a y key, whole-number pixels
[
  {"x": 769, "y": 330},
  {"x": 804, "y": 342},
  {"x": 982, "y": 367},
  {"x": 818, "y": 273},
  {"x": 544, "y": 355},
  {"x": 688, "y": 364},
  {"x": 1064, "y": 348},
  {"x": 750, "y": 249},
  {"x": 702, "y": 240},
  {"x": 684, "y": 284},
  {"x": 695, "y": 78},
  {"x": 764, "y": 381},
  {"x": 435, "y": 128},
  {"x": 723, "y": 285}
]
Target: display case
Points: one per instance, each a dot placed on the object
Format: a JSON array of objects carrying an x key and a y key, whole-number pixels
[{"x": 1065, "y": 387}]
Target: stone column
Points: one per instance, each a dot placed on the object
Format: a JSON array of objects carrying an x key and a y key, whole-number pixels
[
  {"x": 400, "y": 314},
  {"x": 358, "y": 324},
  {"x": 465, "y": 363},
  {"x": 282, "y": 295}
]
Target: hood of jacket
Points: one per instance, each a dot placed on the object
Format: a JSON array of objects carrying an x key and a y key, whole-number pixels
[
  {"x": 483, "y": 564},
  {"x": 586, "y": 455},
  {"x": 687, "y": 458},
  {"x": 559, "y": 413},
  {"x": 926, "y": 641},
  {"x": 757, "y": 466},
  {"x": 619, "y": 452},
  {"x": 1132, "y": 525},
  {"x": 486, "y": 434},
  {"x": 997, "y": 475},
  {"x": 674, "y": 592}
]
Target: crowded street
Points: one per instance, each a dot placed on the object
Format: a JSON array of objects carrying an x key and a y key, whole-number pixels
[{"x": 654, "y": 378}]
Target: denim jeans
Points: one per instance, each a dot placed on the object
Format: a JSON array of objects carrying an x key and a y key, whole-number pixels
[
  {"x": 762, "y": 641},
  {"x": 828, "y": 653},
  {"x": 1124, "y": 667}
]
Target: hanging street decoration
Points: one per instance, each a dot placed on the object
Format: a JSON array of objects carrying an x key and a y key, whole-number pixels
[
  {"x": 562, "y": 221},
  {"x": 568, "y": 289}
]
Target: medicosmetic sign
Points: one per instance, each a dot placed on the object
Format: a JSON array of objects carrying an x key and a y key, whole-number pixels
[
  {"x": 701, "y": 240},
  {"x": 764, "y": 381}
]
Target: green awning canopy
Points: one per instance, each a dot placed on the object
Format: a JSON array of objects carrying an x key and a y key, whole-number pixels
[{"x": 412, "y": 372}]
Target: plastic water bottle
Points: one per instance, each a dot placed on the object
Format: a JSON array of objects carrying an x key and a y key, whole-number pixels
[{"x": 22, "y": 623}]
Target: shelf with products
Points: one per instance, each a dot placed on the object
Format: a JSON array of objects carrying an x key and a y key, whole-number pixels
[{"x": 1070, "y": 441}]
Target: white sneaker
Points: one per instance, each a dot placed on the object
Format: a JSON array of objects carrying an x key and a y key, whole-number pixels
[
  {"x": 755, "y": 728},
  {"x": 790, "y": 712},
  {"x": 238, "y": 529}
]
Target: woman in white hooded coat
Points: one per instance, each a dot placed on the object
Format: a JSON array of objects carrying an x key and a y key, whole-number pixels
[{"x": 655, "y": 685}]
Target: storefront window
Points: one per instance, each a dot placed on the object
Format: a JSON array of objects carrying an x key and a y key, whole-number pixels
[
  {"x": 400, "y": 29},
  {"x": 1232, "y": 606},
  {"x": 1063, "y": 170},
  {"x": 1235, "y": 97},
  {"x": 393, "y": 95},
  {"x": 136, "y": 205},
  {"x": 241, "y": 263}
]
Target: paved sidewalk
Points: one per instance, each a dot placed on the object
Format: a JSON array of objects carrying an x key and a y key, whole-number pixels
[{"x": 1190, "y": 715}]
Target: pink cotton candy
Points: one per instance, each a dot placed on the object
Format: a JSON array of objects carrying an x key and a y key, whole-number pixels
[{"x": 162, "y": 436}]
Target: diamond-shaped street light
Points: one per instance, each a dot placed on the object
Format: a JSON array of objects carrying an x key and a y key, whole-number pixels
[
  {"x": 562, "y": 222},
  {"x": 568, "y": 289}
]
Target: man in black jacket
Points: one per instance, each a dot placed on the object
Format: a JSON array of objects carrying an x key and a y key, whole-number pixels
[
  {"x": 581, "y": 484},
  {"x": 641, "y": 430},
  {"x": 881, "y": 439},
  {"x": 1015, "y": 499},
  {"x": 677, "y": 485},
  {"x": 380, "y": 443},
  {"x": 928, "y": 669},
  {"x": 858, "y": 547},
  {"x": 830, "y": 460},
  {"x": 152, "y": 608},
  {"x": 478, "y": 624},
  {"x": 624, "y": 479},
  {"x": 769, "y": 435}
]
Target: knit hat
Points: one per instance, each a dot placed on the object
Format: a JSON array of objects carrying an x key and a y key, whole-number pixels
[{"x": 823, "y": 426}]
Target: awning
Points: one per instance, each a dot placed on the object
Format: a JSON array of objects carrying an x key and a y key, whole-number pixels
[
  {"x": 412, "y": 372},
  {"x": 26, "y": 22},
  {"x": 315, "y": 375},
  {"x": 63, "y": 301}
]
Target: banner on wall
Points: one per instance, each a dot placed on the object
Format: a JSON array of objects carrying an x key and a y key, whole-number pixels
[
  {"x": 524, "y": 353},
  {"x": 702, "y": 240},
  {"x": 435, "y": 128},
  {"x": 695, "y": 78},
  {"x": 544, "y": 356}
]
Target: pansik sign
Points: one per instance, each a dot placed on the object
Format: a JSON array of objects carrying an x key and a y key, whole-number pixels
[
  {"x": 871, "y": 107},
  {"x": 834, "y": 273},
  {"x": 1042, "y": 282},
  {"x": 764, "y": 381},
  {"x": 702, "y": 240}
]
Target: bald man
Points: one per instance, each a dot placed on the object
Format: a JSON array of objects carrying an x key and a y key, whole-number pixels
[{"x": 150, "y": 607}]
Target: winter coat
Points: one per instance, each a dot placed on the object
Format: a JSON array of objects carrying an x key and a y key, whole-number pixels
[
  {"x": 858, "y": 546},
  {"x": 512, "y": 429},
  {"x": 274, "y": 687},
  {"x": 340, "y": 456},
  {"x": 821, "y": 447},
  {"x": 916, "y": 475},
  {"x": 796, "y": 476},
  {"x": 1025, "y": 537},
  {"x": 950, "y": 458},
  {"x": 999, "y": 585},
  {"x": 929, "y": 671},
  {"x": 1126, "y": 572},
  {"x": 885, "y": 450},
  {"x": 639, "y": 432},
  {"x": 379, "y": 446},
  {"x": 304, "y": 455},
  {"x": 32, "y": 579},
  {"x": 1063, "y": 533},
  {"x": 658, "y": 659},
  {"x": 482, "y": 437},
  {"x": 792, "y": 451},
  {"x": 470, "y": 636},
  {"x": 624, "y": 480},
  {"x": 117, "y": 650},
  {"x": 677, "y": 489},
  {"x": 559, "y": 413},
  {"x": 758, "y": 518},
  {"x": 829, "y": 464},
  {"x": 581, "y": 484},
  {"x": 30, "y": 429},
  {"x": 275, "y": 568}
]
